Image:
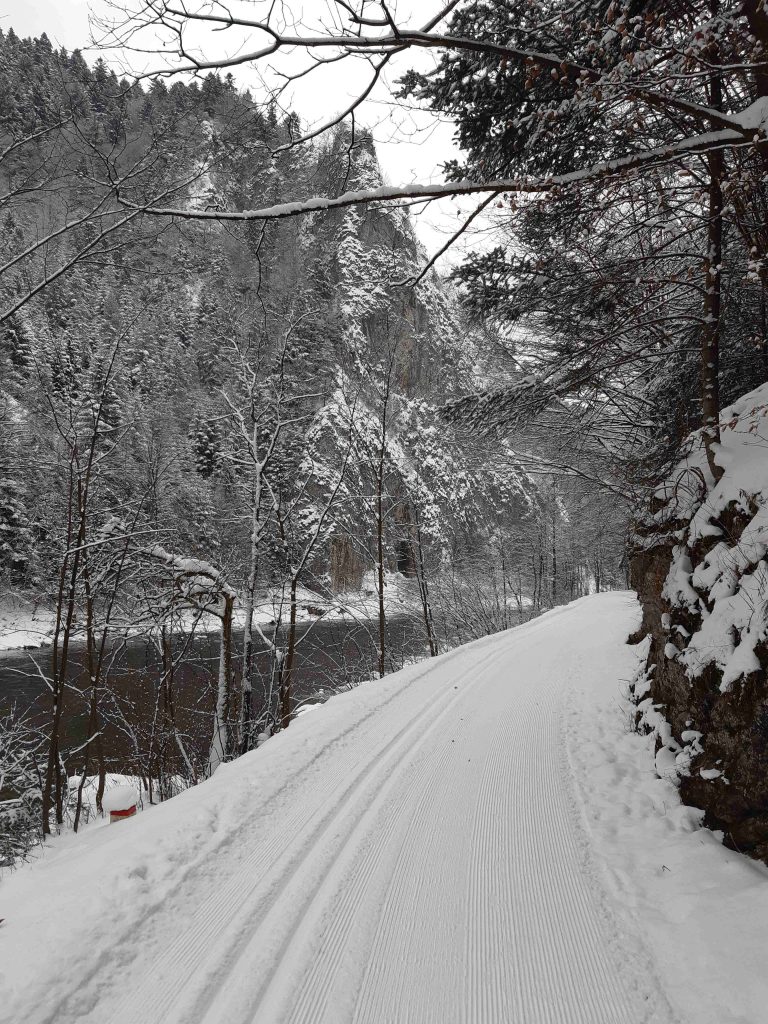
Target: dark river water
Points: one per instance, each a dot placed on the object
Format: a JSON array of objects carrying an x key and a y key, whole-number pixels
[{"x": 330, "y": 656}]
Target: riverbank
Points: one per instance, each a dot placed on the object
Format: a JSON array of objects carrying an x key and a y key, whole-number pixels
[{"x": 26, "y": 623}]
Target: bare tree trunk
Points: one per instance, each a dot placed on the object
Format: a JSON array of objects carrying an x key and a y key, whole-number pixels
[
  {"x": 77, "y": 498},
  {"x": 424, "y": 592},
  {"x": 553, "y": 540},
  {"x": 764, "y": 329},
  {"x": 95, "y": 660},
  {"x": 93, "y": 676},
  {"x": 598, "y": 567},
  {"x": 286, "y": 674},
  {"x": 246, "y": 689},
  {"x": 710, "y": 335},
  {"x": 246, "y": 695},
  {"x": 65, "y": 612},
  {"x": 221, "y": 745},
  {"x": 166, "y": 686},
  {"x": 102, "y": 783},
  {"x": 380, "y": 564},
  {"x": 542, "y": 564}
]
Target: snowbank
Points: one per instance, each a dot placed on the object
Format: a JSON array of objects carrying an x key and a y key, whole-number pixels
[{"x": 700, "y": 909}]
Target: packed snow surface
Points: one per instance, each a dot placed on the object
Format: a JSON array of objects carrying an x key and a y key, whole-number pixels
[{"x": 478, "y": 839}]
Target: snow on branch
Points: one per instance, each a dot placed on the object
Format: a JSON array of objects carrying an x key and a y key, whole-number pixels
[
  {"x": 198, "y": 580},
  {"x": 388, "y": 193}
]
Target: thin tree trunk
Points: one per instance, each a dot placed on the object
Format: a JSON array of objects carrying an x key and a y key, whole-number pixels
[
  {"x": 221, "y": 746},
  {"x": 710, "y": 335},
  {"x": 286, "y": 675},
  {"x": 94, "y": 677},
  {"x": 504, "y": 609},
  {"x": 169, "y": 715},
  {"x": 597, "y": 571},
  {"x": 424, "y": 592},
  {"x": 246, "y": 689},
  {"x": 246, "y": 695},
  {"x": 95, "y": 659},
  {"x": 764, "y": 329},
  {"x": 65, "y": 610},
  {"x": 554, "y": 551},
  {"x": 380, "y": 568},
  {"x": 55, "y": 769}
]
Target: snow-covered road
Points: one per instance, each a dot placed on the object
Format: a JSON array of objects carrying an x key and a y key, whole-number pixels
[{"x": 418, "y": 850}]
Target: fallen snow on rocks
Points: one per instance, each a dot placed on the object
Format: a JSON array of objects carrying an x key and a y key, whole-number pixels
[{"x": 719, "y": 571}]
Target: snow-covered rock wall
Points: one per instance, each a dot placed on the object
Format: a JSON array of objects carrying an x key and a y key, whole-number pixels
[{"x": 701, "y": 569}]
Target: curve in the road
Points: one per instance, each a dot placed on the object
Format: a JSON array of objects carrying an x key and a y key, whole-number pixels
[{"x": 427, "y": 867}]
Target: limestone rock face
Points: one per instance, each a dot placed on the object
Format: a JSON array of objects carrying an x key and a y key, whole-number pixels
[{"x": 700, "y": 568}]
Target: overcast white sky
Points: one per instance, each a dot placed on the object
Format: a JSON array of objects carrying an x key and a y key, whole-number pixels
[{"x": 411, "y": 145}]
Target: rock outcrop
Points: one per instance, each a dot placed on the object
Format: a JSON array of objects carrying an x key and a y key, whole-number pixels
[{"x": 701, "y": 571}]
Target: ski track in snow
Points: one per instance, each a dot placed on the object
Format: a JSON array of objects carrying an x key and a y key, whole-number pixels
[{"x": 430, "y": 865}]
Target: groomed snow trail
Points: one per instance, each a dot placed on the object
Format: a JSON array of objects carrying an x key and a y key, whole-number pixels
[{"x": 419, "y": 859}]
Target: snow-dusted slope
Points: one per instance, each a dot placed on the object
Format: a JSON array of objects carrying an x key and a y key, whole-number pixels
[{"x": 420, "y": 850}]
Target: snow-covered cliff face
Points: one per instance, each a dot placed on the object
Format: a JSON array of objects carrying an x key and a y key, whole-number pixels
[
  {"x": 323, "y": 333},
  {"x": 701, "y": 569},
  {"x": 218, "y": 322}
]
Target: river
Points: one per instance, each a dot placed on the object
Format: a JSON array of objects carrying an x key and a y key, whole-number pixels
[{"x": 330, "y": 656}]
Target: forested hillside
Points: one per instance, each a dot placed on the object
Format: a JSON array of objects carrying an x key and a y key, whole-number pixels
[
  {"x": 182, "y": 338},
  {"x": 212, "y": 425}
]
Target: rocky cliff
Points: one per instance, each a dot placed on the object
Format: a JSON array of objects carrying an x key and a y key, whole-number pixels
[{"x": 701, "y": 571}]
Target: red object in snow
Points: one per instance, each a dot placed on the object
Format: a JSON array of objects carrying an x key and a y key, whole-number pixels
[
  {"x": 121, "y": 802},
  {"x": 117, "y": 815}
]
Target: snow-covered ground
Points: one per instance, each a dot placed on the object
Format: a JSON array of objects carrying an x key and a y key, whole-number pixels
[
  {"x": 23, "y": 624},
  {"x": 478, "y": 839}
]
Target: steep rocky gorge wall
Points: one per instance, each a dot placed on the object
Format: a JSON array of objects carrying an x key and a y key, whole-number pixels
[{"x": 701, "y": 572}]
